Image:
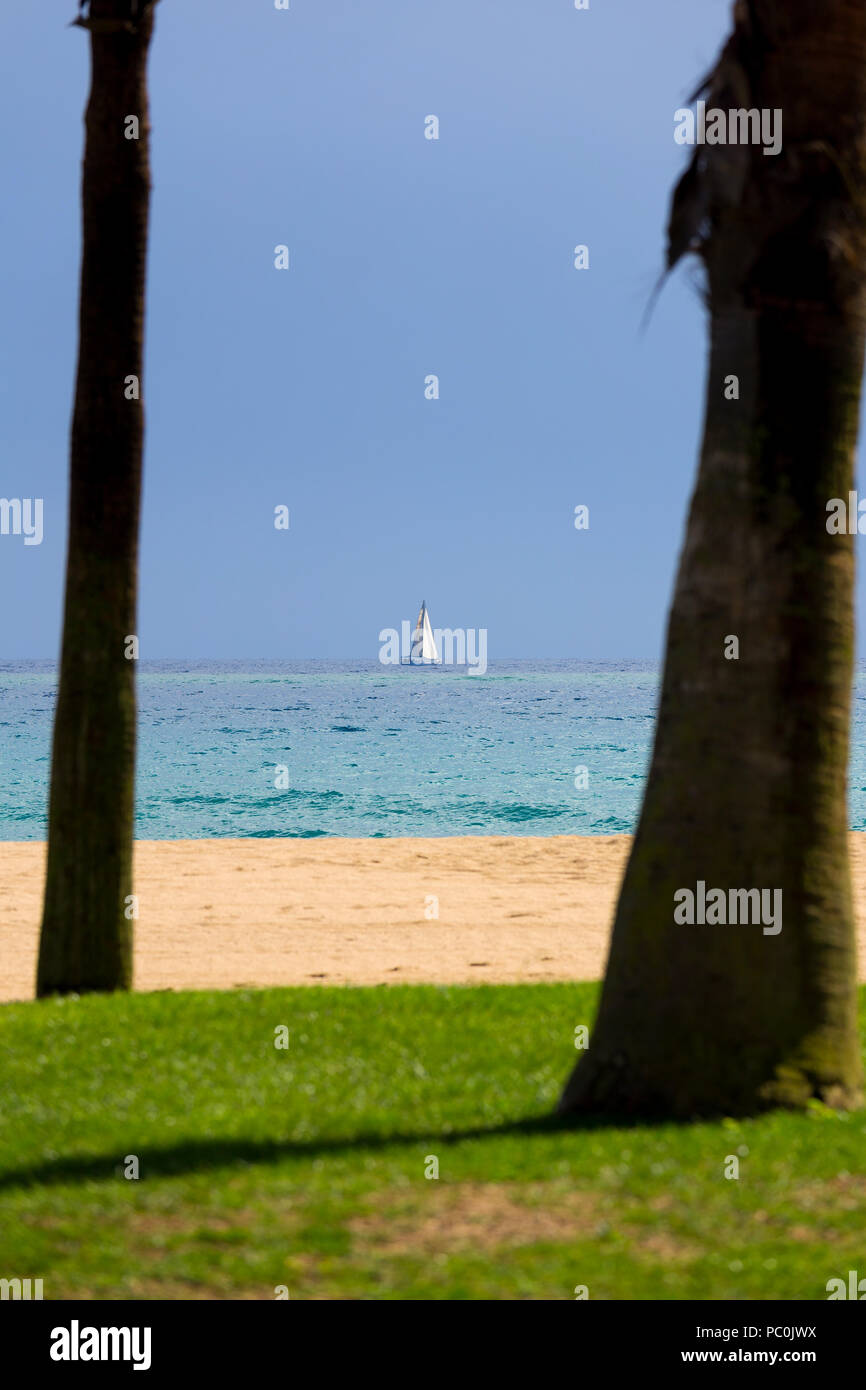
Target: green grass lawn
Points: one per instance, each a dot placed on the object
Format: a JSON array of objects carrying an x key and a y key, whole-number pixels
[{"x": 262, "y": 1167}]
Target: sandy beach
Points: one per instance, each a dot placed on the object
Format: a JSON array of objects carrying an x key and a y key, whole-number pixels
[{"x": 218, "y": 914}]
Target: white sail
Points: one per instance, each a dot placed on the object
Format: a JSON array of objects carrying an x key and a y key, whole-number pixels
[{"x": 423, "y": 641}]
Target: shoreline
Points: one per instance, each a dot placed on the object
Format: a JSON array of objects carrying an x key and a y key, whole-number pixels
[{"x": 256, "y": 913}]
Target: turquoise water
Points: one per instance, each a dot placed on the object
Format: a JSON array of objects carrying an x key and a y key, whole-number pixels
[{"x": 369, "y": 750}]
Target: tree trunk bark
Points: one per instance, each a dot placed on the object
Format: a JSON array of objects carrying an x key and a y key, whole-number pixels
[
  {"x": 747, "y": 786},
  {"x": 86, "y": 940}
]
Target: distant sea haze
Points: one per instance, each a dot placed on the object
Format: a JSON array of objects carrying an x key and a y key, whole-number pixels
[{"x": 313, "y": 748}]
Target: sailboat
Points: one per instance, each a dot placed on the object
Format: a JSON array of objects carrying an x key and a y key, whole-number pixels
[{"x": 423, "y": 651}]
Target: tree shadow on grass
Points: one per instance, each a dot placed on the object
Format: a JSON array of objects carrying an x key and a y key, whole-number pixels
[{"x": 196, "y": 1156}]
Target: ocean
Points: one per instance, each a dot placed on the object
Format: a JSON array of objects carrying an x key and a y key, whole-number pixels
[{"x": 313, "y": 748}]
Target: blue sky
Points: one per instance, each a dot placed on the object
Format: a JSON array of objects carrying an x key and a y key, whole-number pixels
[{"x": 408, "y": 257}]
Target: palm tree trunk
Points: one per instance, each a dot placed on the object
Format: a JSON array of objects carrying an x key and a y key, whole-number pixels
[
  {"x": 86, "y": 941},
  {"x": 747, "y": 787}
]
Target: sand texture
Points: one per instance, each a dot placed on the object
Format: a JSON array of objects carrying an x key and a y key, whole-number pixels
[{"x": 216, "y": 914}]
